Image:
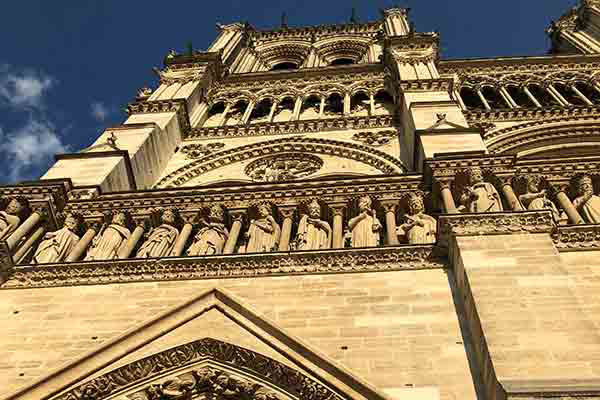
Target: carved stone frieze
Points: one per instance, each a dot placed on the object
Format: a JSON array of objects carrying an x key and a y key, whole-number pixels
[
  {"x": 528, "y": 114},
  {"x": 178, "y": 106},
  {"x": 375, "y": 138},
  {"x": 283, "y": 167},
  {"x": 577, "y": 237},
  {"x": 293, "y": 127},
  {"x": 497, "y": 223},
  {"x": 205, "y": 379},
  {"x": 197, "y": 150},
  {"x": 239, "y": 265}
]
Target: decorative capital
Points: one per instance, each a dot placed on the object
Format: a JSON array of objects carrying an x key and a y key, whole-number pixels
[
  {"x": 445, "y": 184},
  {"x": 390, "y": 205},
  {"x": 237, "y": 215},
  {"x": 287, "y": 211}
]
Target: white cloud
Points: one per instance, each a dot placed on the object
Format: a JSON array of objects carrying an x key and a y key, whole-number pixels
[
  {"x": 100, "y": 112},
  {"x": 30, "y": 147},
  {"x": 24, "y": 89}
]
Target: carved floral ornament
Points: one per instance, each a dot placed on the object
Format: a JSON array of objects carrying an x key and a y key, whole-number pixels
[
  {"x": 283, "y": 167},
  {"x": 209, "y": 367},
  {"x": 375, "y": 139},
  {"x": 196, "y": 150}
]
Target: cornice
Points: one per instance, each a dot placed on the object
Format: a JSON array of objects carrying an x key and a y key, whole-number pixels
[
  {"x": 425, "y": 85},
  {"x": 53, "y": 190},
  {"x": 392, "y": 258},
  {"x": 293, "y": 127},
  {"x": 178, "y": 106},
  {"x": 413, "y": 42},
  {"x": 568, "y": 120},
  {"x": 369, "y": 29},
  {"x": 528, "y": 114},
  {"x": 577, "y": 237}
]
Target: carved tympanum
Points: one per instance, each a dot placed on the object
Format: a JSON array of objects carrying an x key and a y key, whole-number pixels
[
  {"x": 283, "y": 167},
  {"x": 56, "y": 246}
]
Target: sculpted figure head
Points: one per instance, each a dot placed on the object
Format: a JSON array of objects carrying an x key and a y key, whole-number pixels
[
  {"x": 72, "y": 222},
  {"x": 475, "y": 176},
  {"x": 17, "y": 205},
  {"x": 415, "y": 204},
  {"x": 168, "y": 216},
  {"x": 585, "y": 186},
  {"x": 264, "y": 210},
  {"x": 364, "y": 203},
  {"x": 314, "y": 209},
  {"x": 119, "y": 219},
  {"x": 217, "y": 213}
]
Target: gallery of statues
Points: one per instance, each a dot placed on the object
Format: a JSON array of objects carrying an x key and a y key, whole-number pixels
[{"x": 327, "y": 212}]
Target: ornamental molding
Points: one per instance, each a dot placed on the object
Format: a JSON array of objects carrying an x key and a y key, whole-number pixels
[
  {"x": 503, "y": 223},
  {"x": 215, "y": 378},
  {"x": 448, "y": 168},
  {"x": 538, "y": 124},
  {"x": 523, "y": 79},
  {"x": 318, "y": 32},
  {"x": 577, "y": 238},
  {"x": 366, "y": 154},
  {"x": 441, "y": 84},
  {"x": 54, "y": 191},
  {"x": 178, "y": 106},
  {"x": 528, "y": 114},
  {"x": 193, "y": 199},
  {"x": 391, "y": 258},
  {"x": 377, "y": 138},
  {"x": 294, "y": 127},
  {"x": 197, "y": 150}
]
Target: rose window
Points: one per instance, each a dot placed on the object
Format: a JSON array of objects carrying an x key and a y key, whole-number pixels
[{"x": 283, "y": 167}]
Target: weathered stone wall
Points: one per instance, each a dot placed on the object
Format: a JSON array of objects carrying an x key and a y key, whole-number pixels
[{"x": 401, "y": 329}]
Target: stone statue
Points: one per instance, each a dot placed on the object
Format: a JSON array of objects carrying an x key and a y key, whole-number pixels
[
  {"x": 263, "y": 234},
  {"x": 587, "y": 202},
  {"x": 161, "y": 239},
  {"x": 313, "y": 233},
  {"x": 419, "y": 227},
  {"x": 56, "y": 246},
  {"x": 10, "y": 218},
  {"x": 480, "y": 196},
  {"x": 111, "y": 239},
  {"x": 365, "y": 227},
  {"x": 536, "y": 199},
  {"x": 211, "y": 238}
]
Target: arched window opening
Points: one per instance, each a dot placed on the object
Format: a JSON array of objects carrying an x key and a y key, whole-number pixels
[
  {"x": 542, "y": 96},
  {"x": 568, "y": 94},
  {"x": 494, "y": 99},
  {"x": 311, "y": 108},
  {"x": 342, "y": 61},
  {"x": 520, "y": 97},
  {"x": 360, "y": 104},
  {"x": 215, "y": 114},
  {"x": 334, "y": 105},
  {"x": 590, "y": 92},
  {"x": 284, "y": 110},
  {"x": 384, "y": 103},
  {"x": 236, "y": 113},
  {"x": 471, "y": 99},
  {"x": 284, "y": 65},
  {"x": 261, "y": 111}
]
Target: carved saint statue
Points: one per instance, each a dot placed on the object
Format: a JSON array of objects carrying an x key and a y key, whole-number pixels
[
  {"x": 211, "y": 238},
  {"x": 111, "y": 239},
  {"x": 537, "y": 199},
  {"x": 313, "y": 233},
  {"x": 161, "y": 239},
  {"x": 480, "y": 196},
  {"x": 10, "y": 218},
  {"x": 587, "y": 202},
  {"x": 365, "y": 227},
  {"x": 419, "y": 227},
  {"x": 263, "y": 234},
  {"x": 56, "y": 246}
]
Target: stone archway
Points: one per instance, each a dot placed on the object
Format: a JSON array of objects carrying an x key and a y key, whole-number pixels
[{"x": 377, "y": 159}]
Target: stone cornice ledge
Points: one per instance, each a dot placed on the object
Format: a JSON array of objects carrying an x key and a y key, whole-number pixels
[
  {"x": 501, "y": 223},
  {"x": 552, "y": 390},
  {"x": 577, "y": 237},
  {"x": 390, "y": 258}
]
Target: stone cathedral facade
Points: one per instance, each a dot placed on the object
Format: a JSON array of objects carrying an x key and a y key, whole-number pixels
[{"x": 320, "y": 213}]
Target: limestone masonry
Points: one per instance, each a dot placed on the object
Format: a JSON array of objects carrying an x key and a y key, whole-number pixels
[{"x": 320, "y": 213}]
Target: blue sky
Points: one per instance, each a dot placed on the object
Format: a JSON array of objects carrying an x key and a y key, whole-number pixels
[{"x": 69, "y": 67}]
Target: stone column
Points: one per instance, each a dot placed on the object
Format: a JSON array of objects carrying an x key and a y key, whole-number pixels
[
  {"x": 234, "y": 232},
  {"x": 322, "y": 107},
  {"x": 182, "y": 238},
  {"x": 347, "y": 103},
  {"x": 83, "y": 243},
  {"x": 567, "y": 205},
  {"x": 297, "y": 108},
  {"x": 272, "y": 112},
  {"x": 248, "y": 112},
  {"x": 224, "y": 118},
  {"x": 338, "y": 224},
  {"x": 507, "y": 97},
  {"x": 510, "y": 195},
  {"x": 531, "y": 96},
  {"x": 390, "y": 221},
  {"x": 133, "y": 240},
  {"x": 581, "y": 96},
  {"x": 23, "y": 229},
  {"x": 483, "y": 100},
  {"x": 287, "y": 212},
  {"x": 31, "y": 240},
  {"x": 371, "y": 104},
  {"x": 557, "y": 96},
  {"x": 447, "y": 198}
]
